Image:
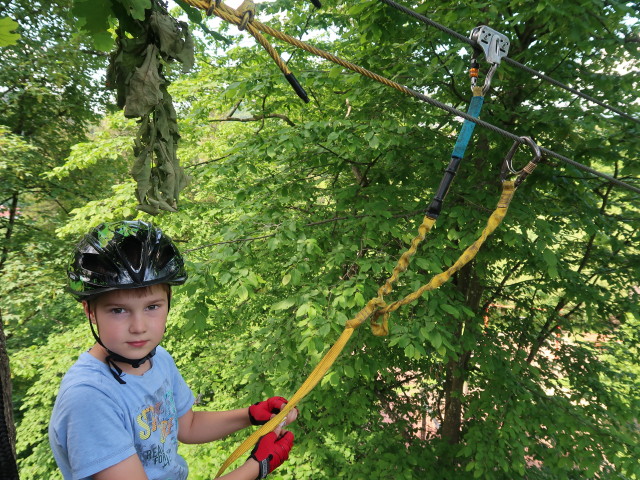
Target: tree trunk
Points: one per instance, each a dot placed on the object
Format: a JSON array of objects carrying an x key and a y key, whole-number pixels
[
  {"x": 8, "y": 467},
  {"x": 13, "y": 210},
  {"x": 454, "y": 392},
  {"x": 456, "y": 370}
]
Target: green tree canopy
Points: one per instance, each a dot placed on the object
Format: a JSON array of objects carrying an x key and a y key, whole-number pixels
[{"x": 297, "y": 213}]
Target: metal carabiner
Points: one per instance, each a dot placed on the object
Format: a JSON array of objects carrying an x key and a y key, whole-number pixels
[
  {"x": 507, "y": 163},
  {"x": 488, "y": 77},
  {"x": 474, "y": 71}
]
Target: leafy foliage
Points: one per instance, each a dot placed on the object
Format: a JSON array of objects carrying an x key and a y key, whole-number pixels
[
  {"x": 297, "y": 213},
  {"x": 7, "y": 27}
]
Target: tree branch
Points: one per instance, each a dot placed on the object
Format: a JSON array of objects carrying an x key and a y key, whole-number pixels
[
  {"x": 502, "y": 284},
  {"x": 13, "y": 210},
  {"x": 257, "y": 118},
  {"x": 310, "y": 224},
  {"x": 208, "y": 161},
  {"x": 563, "y": 301}
]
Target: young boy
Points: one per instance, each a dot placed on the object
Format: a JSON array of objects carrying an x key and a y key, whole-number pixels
[{"x": 123, "y": 406}]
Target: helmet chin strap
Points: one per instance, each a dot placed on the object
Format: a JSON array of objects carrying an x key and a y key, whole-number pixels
[{"x": 114, "y": 357}]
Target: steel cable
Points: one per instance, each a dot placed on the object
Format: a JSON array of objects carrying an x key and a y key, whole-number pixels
[{"x": 508, "y": 60}]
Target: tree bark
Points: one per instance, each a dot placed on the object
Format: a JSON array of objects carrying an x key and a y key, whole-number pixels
[
  {"x": 451, "y": 428},
  {"x": 8, "y": 466},
  {"x": 13, "y": 210},
  {"x": 456, "y": 370}
]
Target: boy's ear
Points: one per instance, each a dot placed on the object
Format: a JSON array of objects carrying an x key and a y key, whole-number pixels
[{"x": 87, "y": 310}]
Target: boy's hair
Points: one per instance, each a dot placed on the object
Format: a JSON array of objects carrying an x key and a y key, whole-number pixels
[
  {"x": 124, "y": 255},
  {"x": 137, "y": 292}
]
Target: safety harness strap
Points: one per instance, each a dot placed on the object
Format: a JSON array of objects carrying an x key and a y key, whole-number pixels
[
  {"x": 467, "y": 127},
  {"x": 433, "y": 211}
]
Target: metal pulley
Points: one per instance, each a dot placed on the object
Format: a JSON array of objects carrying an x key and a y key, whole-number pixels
[{"x": 495, "y": 46}]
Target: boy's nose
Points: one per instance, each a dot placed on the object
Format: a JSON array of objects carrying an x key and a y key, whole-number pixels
[{"x": 138, "y": 323}]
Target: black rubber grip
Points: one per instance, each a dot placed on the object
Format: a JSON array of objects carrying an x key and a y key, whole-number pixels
[
  {"x": 434, "y": 208},
  {"x": 297, "y": 87}
]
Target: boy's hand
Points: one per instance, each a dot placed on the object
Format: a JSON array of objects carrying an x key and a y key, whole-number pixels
[
  {"x": 271, "y": 451},
  {"x": 261, "y": 412}
]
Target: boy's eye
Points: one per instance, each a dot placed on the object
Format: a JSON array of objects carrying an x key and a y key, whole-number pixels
[
  {"x": 117, "y": 311},
  {"x": 153, "y": 307}
]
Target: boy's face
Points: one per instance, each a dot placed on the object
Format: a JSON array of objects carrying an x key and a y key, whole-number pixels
[{"x": 132, "y": 322}]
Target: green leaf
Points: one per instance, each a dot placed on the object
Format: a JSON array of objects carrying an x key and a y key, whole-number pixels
[
  {"x": 136, "y": 8},
  {"x": 549, "y": 257},
  {"x": 324, "y": 329},
  {"x": 409, "y": 351},
  {"x": 358, "y": 8},
  {"x": 551, "y": 260},
  {"x": 242, "y": 293},
  {"x": 295, "y": 277},
  {"x": 424, "y": 332},
  {"x": 302, "y": 310},
  {"x": 7, "y": 37},
  {"x": 348, "y": 371},
  {"x": 284, "y": 304},
  {"x": 194, "y": 14},
  {"x": 103, "y": 41},
  {"x": 93, "y": 17},
  {"x": 449, "y": 309}
]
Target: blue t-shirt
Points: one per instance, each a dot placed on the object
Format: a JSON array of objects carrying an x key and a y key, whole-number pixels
[{"x": 97, "y": 422}]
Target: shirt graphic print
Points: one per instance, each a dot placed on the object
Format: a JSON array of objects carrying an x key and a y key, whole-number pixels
[{"x": 157, "y": 435}]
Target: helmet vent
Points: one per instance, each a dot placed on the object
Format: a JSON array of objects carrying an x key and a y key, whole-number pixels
[
  {"x": 94, "y": 262},
  {"x": 164, "y": 256},
  {"x": 131, "y": 249}
]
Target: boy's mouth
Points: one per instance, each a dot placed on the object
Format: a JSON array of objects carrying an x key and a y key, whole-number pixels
[{"x": 138, "y": 343}]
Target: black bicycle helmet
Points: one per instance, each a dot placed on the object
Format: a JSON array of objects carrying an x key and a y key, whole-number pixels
[{"x": 123, "y": 255}]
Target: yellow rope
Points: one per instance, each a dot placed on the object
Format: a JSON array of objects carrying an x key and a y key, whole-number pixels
[
  {"x": 382, "y": 329},
  {"x": 232, "y": 16},
  {"x": 495, "y": 219},
  {"x": 240, "y": 20},
  {"x": 306, "y": 387},
  {"x": 375, "y": 307}
]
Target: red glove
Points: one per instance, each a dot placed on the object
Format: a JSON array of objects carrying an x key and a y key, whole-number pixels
[
  {"x": 261, "y": 412},
  {"x": 271, "y": 451}
]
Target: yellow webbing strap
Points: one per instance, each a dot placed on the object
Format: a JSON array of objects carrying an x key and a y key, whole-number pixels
[
  {"x": 377, "y": 306},
  {"x": 508, "y": 189}
]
